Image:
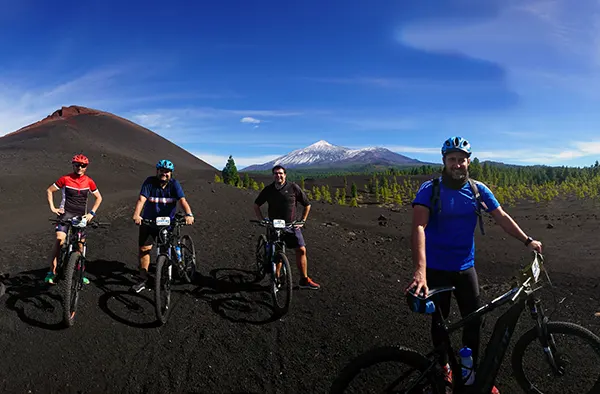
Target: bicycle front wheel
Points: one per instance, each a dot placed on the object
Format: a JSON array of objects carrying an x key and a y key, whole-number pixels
[
  {"x": 70, "y": 287},
  {"x": 390, "y": 369},
  {"x": 570, "y": 363},
  {"x": 188, "y": 255},
  {"x": 162, "y": 288},
  {"x": 281, "y": 284}
]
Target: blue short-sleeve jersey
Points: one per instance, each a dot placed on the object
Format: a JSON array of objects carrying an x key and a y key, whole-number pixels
[
  {"x": 160, "y": 202},
  {"x": 450, "y": 234}
]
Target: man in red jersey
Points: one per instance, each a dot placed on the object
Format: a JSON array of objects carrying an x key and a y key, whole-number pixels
[{"x": 76, "y": 188}]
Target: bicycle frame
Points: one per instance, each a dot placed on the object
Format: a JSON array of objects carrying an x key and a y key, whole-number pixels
[
  {"x": 275, "y": 243},
  {"x": 73, "y": 239},
  {"x": 168, "y": 237},
  {"x": 496, "y": 347}
]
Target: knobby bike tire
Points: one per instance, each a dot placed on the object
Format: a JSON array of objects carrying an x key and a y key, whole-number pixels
[
  {"x": 188, "y": 255},
  {"x": 71, "y": 285},
  {"x": 284, "y": 284},
  {"x": 261, "y": 257},
  {"x": 433, "y": 382},
  {"x": 569, "y": 329},
  {"x": 162, "y": 288}
]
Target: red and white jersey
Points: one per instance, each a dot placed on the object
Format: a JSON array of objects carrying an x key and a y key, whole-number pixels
[{"x": 75, "y": 192}]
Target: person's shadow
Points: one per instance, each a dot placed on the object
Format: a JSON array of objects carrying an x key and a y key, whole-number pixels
[
  {"x": 35, "y": 302},
  {"x": 114, "y": 279},
  {"x": 237, "y": 296}
]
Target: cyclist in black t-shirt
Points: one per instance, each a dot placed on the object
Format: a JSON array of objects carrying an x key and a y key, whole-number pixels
[{"x": 282, "y": 198}]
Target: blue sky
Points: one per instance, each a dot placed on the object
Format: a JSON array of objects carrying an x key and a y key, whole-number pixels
[{"x": 257, "y": 79}]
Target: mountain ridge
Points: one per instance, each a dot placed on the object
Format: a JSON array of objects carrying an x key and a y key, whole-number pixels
[{"x": 323, "y": 153}]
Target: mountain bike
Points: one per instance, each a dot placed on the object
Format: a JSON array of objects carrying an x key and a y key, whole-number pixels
[
  {"x": 271, "y": 259},
  {"x": 173, "y": 250},
  {"x": 424, "y": 374},
  {"x": 70, "y": 265}
]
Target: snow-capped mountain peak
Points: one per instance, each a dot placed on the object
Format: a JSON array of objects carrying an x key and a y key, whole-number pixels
[
  {"x": 319, "y": 145},
  {"x": 324, "y": 154}
]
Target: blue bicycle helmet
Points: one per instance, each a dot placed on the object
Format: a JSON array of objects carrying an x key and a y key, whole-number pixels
[
  {"x": 165, "y": 164},
  {"x": 456, "y": 144}
]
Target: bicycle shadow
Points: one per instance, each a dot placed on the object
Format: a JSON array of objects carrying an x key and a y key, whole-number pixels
[
  {"x": 114, "y": 279},
  {"x": 235, "y": 295},
  {"x": 35, "y": 302}
]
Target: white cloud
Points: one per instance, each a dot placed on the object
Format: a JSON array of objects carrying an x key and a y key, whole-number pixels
[
  {"x": 219, "y": 161},
  {"x": 415, "y": 149},
  {"x": 249, "y": 119},
  {"x": 538, "y": 42},
  {"x": 576, "y": 150}
]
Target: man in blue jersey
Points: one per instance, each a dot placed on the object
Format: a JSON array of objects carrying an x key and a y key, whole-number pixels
[
  {"x": 443, "y": 240},
  {"x": 158, "y": 197}
]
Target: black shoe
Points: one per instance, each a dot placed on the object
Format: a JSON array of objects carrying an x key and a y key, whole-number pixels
[{"x": 141, "y": 285}]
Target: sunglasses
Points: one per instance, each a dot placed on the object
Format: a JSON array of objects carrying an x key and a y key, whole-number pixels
[{"x": 80, "y": 165}]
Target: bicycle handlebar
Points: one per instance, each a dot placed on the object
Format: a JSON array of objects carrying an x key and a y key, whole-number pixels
[
  {"x": 269, "y": 223},
  {"x": 177, "y": 221},
  {"x": 69, "y": 221}
]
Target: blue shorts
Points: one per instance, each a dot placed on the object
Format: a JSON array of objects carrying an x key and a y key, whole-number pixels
[{"x": 293, "y": 238}]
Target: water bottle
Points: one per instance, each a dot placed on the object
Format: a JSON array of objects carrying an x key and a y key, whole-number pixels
[
  {"x": 178, "y": 252},
  {"x": 466, "y": 361}
]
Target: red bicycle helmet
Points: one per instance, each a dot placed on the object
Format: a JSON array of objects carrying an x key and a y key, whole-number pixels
[{"x": 80, "y": 159}]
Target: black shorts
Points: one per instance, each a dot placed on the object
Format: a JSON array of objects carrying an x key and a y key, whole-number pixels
[
  {"x": 64, "y": 228},
  {"x": 147, "y": 235}
]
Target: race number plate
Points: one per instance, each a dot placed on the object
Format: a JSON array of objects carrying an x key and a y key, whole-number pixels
[
  {"x": 163, "y": 221},
  {"x": 535, "y": 269},
  {"x": 278, "y": 223}
]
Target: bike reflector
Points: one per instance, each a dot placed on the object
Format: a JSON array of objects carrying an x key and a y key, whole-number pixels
[
  {"x": 278, "y": 223},
  {"x": 163, "y": 221}
]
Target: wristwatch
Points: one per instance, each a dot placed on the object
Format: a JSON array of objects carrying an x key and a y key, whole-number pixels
[
  {"x": 189, "y": 214},
  {"x": 92, "y": 213},
  {"x": 528, "y": 241}
]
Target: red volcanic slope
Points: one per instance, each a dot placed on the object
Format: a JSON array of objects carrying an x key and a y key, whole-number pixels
[{"x": 106, "y": 138}]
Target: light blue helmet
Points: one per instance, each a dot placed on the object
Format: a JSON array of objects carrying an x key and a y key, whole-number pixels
[
  {"x": 456, "y": 144},
  {"x": 165, "y": 164}
]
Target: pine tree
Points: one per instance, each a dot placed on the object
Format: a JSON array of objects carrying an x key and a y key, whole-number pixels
[
  {"x": 354, "y": 190},
  {"x": 230, "y": 173},
  {"x": 218, "y": 179}
]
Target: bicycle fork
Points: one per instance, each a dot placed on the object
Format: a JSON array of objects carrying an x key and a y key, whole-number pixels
[{"x": 546, "y": 340}]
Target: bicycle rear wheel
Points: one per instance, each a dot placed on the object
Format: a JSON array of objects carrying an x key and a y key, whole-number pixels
[
  {"x": 70, "y": 287},
  {"x": 390, "y": 369},
  {"x": 574, "y": 350},
  {"x": 261, "y": 257},
  {"x": 281, "y": 285},
  {"x": 188, "y": 255},
  {"x": 162, "y": 288}
]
